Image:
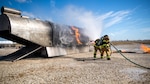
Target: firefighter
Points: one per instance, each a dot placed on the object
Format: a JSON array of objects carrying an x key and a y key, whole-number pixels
[
  {"x": 96, "y": 47},
  {"x": 105, "y": 47}
]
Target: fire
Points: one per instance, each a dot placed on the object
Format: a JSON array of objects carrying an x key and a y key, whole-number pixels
[
  {"x": 77, "y": 35},
  {"x": 145, "y": 48}
]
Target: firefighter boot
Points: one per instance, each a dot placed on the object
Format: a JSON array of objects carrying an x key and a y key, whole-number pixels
[
  {"x": 108, "y": 57},
  {"x": 94, "y": 55},
  {"x": 102, "y": 56}
]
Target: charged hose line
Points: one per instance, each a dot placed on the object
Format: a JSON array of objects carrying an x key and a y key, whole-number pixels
[{"x": 129, "y": 59}]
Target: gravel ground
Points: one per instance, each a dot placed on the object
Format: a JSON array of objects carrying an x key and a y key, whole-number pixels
[{"x": 76, "y": 69}]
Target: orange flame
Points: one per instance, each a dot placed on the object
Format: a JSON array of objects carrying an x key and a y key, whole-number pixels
[
  {"x": 145, "y": 48},
  {"x": 77, "y": 35}
]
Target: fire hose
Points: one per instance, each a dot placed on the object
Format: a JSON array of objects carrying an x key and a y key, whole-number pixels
[{"x": 129, "y": 59}]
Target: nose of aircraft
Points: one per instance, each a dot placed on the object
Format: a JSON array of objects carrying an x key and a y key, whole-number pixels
[{"x": 4, "y": 23}]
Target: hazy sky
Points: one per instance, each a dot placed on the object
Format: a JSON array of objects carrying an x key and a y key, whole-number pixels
[{"x": 120, "y": 19}]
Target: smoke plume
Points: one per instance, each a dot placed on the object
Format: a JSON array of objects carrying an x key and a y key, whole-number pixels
[
  {"x": 74, "y": 16},
  {"x": 93, "y": 23}
]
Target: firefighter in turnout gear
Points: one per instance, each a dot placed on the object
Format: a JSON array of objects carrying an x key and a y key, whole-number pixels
[
  {"x": 96, "y": 47},
  {"x": 105, "y": 47}
]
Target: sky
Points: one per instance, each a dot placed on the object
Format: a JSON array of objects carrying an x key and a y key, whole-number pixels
[{"x": 120, "y": 19}]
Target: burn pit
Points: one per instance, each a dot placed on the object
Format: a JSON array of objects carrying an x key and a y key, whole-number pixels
[{"x": 145, "y": 48}]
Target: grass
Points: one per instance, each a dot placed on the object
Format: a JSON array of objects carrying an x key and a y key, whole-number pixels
[{"x": 130, "y": 42}]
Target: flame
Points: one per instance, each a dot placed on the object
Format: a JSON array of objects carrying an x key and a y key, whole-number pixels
[
  {"x": 145, "y": 48},
  {"x": 77, "y": 35}
]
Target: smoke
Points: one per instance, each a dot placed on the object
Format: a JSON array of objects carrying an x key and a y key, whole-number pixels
[
  {"x": 93, "y": 23},
  {"x": 79, "y": 17}
]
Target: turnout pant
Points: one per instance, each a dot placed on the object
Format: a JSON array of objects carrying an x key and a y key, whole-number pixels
[
  {"x": 95, "y": 50},
  {"x": 105, "y": 48}
]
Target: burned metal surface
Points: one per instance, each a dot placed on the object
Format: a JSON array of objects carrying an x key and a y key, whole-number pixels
[
  {"x": 32, "y": 32},
  {"x": 65, "y": 36}
]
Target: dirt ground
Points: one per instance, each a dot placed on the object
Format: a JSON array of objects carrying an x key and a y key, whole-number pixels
[{"x": 76, "y": 69}]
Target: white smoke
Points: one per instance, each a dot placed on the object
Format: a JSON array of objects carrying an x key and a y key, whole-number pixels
[
  {"x": 79, "y": 17},
  {"x": 91, "y": 22}
]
